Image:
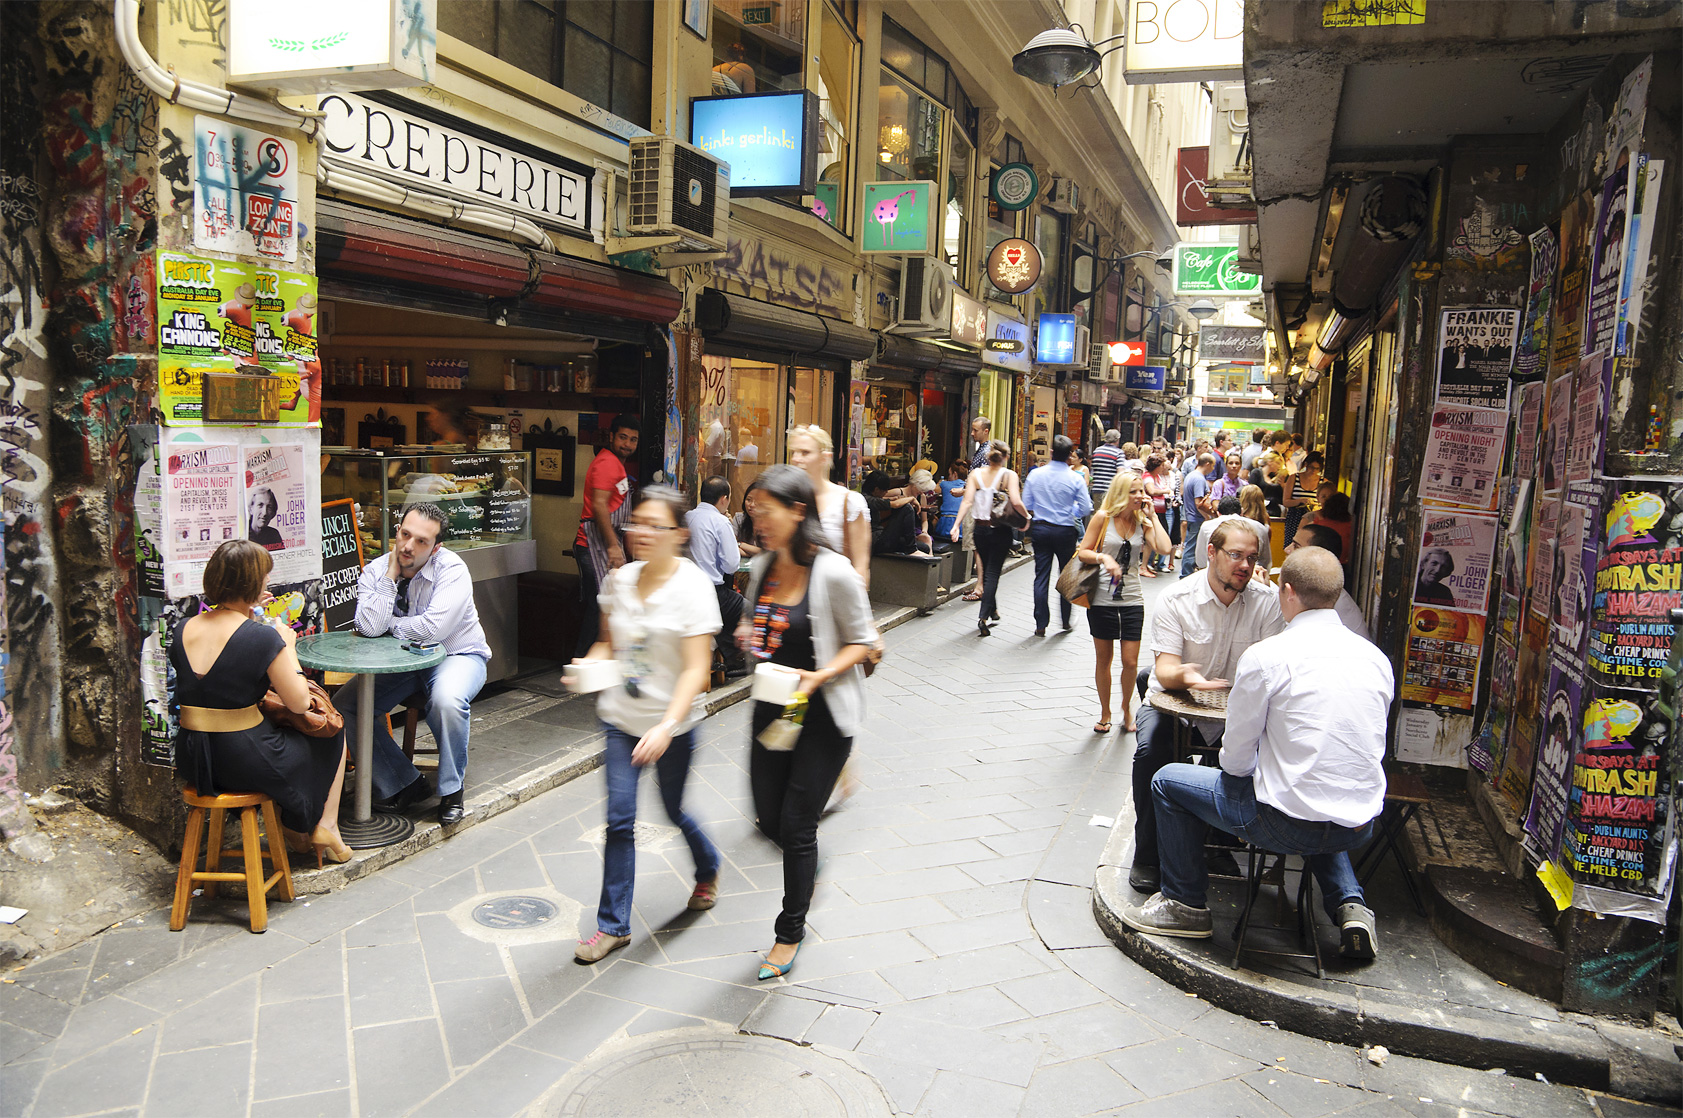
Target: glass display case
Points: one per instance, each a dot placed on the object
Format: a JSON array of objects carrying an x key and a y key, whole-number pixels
[{"x": 486, "y": 496}]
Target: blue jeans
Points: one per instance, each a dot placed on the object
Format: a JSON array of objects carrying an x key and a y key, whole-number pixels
[
  {"x": 1191, "y": 798},
  {"x": 1189, "y": 546},
  {"x": 1051, "y": 541},
  {"x": 450, "y": 686},
  {"x": 619, "y": 851}
]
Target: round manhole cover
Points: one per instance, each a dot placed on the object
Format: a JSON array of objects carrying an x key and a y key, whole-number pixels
[
  {"x": 698, "y": 1071},
  {"x": 514, "y": 912}
]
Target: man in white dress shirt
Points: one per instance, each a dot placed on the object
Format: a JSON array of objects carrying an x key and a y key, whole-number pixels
[{"x": 1301, "y": 763}]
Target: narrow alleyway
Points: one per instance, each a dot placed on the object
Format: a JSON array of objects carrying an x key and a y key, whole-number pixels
[{"x": 953, "y": 958}]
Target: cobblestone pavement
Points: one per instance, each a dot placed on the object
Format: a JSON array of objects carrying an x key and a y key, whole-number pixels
[{"x": 952, "y": 958}]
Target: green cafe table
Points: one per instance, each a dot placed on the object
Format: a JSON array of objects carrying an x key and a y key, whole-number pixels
[{"x": 367, "y": 657}]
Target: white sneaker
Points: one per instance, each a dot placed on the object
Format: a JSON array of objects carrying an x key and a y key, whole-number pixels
[
  {"x": 1357, "y": 937},
  {"x": 1160, "y": 916}
]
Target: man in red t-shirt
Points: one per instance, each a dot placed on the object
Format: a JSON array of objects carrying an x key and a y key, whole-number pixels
[{"x": 606, "y": 487}]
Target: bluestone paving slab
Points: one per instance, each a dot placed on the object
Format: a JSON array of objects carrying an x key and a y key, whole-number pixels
[
  {"x": 1090, "y": 1030},
  {"x": 1305, "y": 1096},
  {"x": 1165, "y": 1067},
  {"x": 301, "y": 1048},
  {"x": 1230, "y": 1098},
  {"x": 976, "y": 1053},
  {"x": 96, "y": 1024},
  {"x": 840, "y": 1026},
  {"x": 504, "y": 1083},
  {"x": 317, "y": 971},
  {"x": 964, "y": 1096},
  {"x": 388, "y": 984},
  {"x": 479, "y": 1015},
  {"x": 395, "y": 925},
  {"x": 117, "y": 1077},
  {"x": 217, "y": 1079},
  {"x": 955, "y": 936},
  {"x": 783, "y": 1016},
  {"x": 1078, "y": 1087},
  {"x": 320, "y": 1104},
  {"x": 981, "y": 1008},
  {"x": 398, "y": 1065},
  {"x": 229, "y": 1017}
]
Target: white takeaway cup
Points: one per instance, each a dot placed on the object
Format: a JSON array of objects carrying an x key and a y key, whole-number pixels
[
  {"x": 590, "y": 676},
  {"x": 773, "y": 683}
]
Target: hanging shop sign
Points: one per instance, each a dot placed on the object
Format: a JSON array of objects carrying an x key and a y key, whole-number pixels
[
  {"x": 900, "y": 218},
  {"x": 1211, "y": 270},
  {"x": 1054, "y": 341},
  {"x": 428, "y": 148},
  {"x": 1014, "y": 266},
  {"x": 1147, "y": 378},
  {"x": 1014, "y": 186},
  {"x": 1184, "y": 41},
  {"x": 1004, "y": 325},
  {"x": 245, "y": 190},
  {"x": 769, "y": 139},
  {"x": 1241, "y": 345},
  {"x": 1476, "y": 355},
  {"x": 1127, "y": 353},
  {"x": 969, "y": 319},
  {"x": 322, "y": 46},
  {"x": 1192, "y": 204}
]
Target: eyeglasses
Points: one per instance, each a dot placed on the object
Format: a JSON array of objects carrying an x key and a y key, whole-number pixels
[
  {"x": 1243, "y": 558},
  {"x": 642, "y": 526}
]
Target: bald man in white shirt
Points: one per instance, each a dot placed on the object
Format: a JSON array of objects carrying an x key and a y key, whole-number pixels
[{"x": 1301, "y": 763}]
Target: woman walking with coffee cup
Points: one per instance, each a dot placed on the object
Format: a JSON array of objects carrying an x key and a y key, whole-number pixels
[
  {"x": 659, "y": 615},
  {"x": 806, "y": 612}
]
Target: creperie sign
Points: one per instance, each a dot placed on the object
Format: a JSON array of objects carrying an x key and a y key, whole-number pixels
[{"x": 451, "y": 157}]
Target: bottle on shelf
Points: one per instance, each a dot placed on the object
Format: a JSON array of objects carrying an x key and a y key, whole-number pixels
[{"x": 361, "y": 373}]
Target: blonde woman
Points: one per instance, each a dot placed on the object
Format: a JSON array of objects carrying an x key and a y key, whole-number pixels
[
  {"x": 842, "y": 512},
  {"x": 1122, "y": 525}
]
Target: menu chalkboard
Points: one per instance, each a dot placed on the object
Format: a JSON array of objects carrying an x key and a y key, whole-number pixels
[{"x": 341, "y": 563}]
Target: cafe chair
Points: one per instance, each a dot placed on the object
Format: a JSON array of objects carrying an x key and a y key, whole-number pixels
[
  {"x": 1305, "y": 909},
  {"x": 1405, "y": 795},
  {"x": 272, "y": 848},
  {"x": 414, "y": 709}
]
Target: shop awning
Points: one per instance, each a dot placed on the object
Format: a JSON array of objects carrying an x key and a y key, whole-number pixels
[
  {"x": 378, "y": 257},
  {"x": 908, "y": 353},
  {"x": 737, "y": 321}
]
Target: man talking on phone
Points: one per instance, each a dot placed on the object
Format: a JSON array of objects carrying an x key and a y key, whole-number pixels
[{"x": 421, "y": 592}]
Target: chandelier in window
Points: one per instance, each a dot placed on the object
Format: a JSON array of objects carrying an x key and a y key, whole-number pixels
[{"x": 893, "y": 139}]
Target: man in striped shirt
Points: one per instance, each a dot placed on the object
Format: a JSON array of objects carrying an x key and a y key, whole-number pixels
[{"x": 1107, "y": 459}]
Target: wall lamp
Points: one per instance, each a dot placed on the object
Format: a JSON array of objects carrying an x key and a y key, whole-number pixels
[{"x": 1061, "y": 56}]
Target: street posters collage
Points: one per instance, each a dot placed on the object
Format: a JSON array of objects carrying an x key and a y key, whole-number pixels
[{"x": 1578, "y": 734}]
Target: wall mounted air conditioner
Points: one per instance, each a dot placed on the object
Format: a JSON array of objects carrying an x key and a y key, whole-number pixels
[
  {"x": 926, "y": 300},
  {"x": 676, "y": 189},
  {"x": 1065, "y": 196}
]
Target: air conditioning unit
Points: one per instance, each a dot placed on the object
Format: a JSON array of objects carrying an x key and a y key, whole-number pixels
[
  {"x": 1065, "y": 196},
  {"x": 926, "y": 298},
  {"x": 1083, "y": 339},
  {"x": 1098, "y": 361},
  {"x": 679, "y": 190}
]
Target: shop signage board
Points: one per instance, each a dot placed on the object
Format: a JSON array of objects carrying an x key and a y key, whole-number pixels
[
  {"x": 1184, "y": 41},
  {"x": 1014, "y": 186},
  {"x": 769, "y": 139},
  {"x": 1127, "y": 353},
  {"x": 1476, "y": 355},
  {"x": 416, "y": 144},
  {"x": 969, "y": 319},
  {"x": 222, "y": 316},
  {"x": 1013, "y": 266},
  {"x": 245, "y": 190},
  {"x": 1054, "y": 341},
  {"x": 900, "y": 218},
  {"x": 1145, "y": 378},
  {"x": 326, "y": 45},
  {"x": 341, "y": 563},
  {"x": 1004, "y": 324},
  {"x": 1192, "y": 205},
  {"x": 1205, "y": 269},
  {"x": 1241, "y": 345}
]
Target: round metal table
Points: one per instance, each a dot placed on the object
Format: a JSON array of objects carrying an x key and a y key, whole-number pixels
[
  {"x": 1181, "y": 705},
  {"x": 366, "y": 657}
]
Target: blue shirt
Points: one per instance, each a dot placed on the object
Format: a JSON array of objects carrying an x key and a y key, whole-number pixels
[
  {"x": 712, "y": 543},
  {"x": 952, "y": 496},
  {"x": 1195, "y": 487},
  {"x": 1056, "y": 494}
]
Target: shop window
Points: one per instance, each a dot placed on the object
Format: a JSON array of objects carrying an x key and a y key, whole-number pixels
[
  {"x": 1049, "y": 239},
  {"x": 908, "y": 131},
  {"x": 758, "y": 45},
  {"x": 812, "y": 401},
  {"x": 597, "y": 49},
  {"x": 955, "y": 226},
  {"x": 890, "y": 439},
  {"x": 835, "y": 86},
  {"x": 738, "y": 421}
]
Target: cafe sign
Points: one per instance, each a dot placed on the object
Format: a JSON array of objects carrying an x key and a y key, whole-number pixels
[
  {"x": 1014, "y": 266},
  {"x": 969, "y": 320},
  {"x": 1205, "y": 269},
  {"x": 1242, "y": 345},
  {"x": 444, "y": 154}
]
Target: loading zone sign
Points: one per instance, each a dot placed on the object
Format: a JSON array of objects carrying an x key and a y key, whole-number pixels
[{"x": 245, "y": 190}]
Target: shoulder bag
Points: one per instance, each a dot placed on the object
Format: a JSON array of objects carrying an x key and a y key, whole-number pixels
[
  {"x": 1004, "y": 513},
  {"x": 1079, "y": 582},
  {"x": 322, "y": 720}
]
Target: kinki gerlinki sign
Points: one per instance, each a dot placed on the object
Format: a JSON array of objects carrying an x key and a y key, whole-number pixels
[
  {"x": 459, "y": 158},
  {"x": 1204, "y": 269}
]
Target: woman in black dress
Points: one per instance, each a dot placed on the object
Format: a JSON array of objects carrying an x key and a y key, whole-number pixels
[{"x": 225, "y": 744}]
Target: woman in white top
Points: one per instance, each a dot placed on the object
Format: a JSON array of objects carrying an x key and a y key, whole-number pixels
[
  {"x": 842, "y": 512},
  {"x": 1124, "y": 525},
  {"x": 992, "y": 540},
  {"x": 659, "y": 614}
]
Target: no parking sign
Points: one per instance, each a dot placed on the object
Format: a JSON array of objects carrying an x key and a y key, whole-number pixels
[{"x": 245, "y": 190}]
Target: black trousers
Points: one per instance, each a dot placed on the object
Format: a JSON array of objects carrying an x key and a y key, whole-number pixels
[
  {"x": 1051, "y": 541},
  {"x": 993, "y": 543},
  {"x": 790, "y": 791},
  {"x": 1156, "y": 748},
  {"x": 730, "y": 612},
  {"x": 590, "y": 611}
]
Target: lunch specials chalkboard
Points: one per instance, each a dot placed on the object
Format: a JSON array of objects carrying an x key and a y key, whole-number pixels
[{"x": 341, "y": 563}]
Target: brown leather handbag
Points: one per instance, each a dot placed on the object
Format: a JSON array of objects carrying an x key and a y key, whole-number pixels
[{"x": 322, "y": 720}]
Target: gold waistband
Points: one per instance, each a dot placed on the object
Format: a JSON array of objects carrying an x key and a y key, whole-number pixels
[{"x": 214, "y": 720}]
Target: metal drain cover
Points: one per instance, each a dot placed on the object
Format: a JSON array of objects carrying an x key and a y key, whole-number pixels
[{"x": 514, "y": 912}]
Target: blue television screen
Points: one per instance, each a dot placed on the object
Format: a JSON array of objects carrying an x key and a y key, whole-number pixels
[{"x": 769, "y": 139}]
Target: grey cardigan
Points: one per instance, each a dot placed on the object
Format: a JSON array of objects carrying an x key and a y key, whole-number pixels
[{"x": 840, "y": 614}]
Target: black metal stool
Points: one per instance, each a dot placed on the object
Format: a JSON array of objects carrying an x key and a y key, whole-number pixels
[
  {"x": 1405, "y": 795},
  {"x": 1305, "y": 909}
]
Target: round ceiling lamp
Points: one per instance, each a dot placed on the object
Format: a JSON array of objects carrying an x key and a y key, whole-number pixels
[{"x": 1056, "y": 58}]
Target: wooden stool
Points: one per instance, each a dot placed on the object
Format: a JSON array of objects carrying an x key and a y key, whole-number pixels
[
  {"x": 414, "y": 709},
  {"x": 248, "y": 804}
]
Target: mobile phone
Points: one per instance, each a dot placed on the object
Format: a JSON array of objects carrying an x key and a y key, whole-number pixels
[{"x": 419, "y": 648}]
